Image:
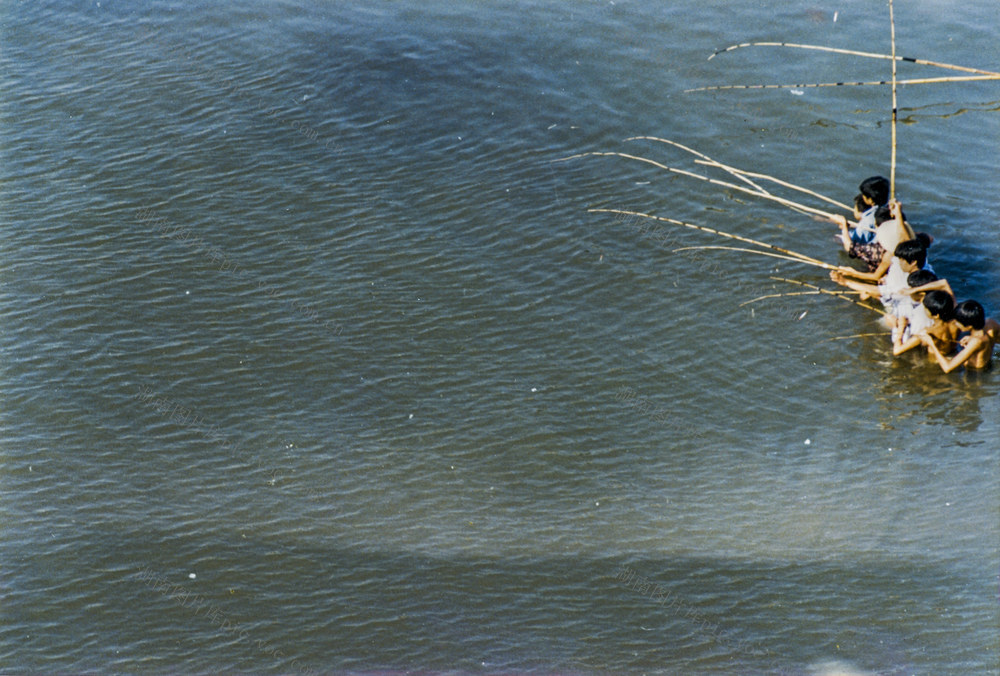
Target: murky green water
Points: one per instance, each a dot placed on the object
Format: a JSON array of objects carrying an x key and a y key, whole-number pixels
[{"x": 315, "y": 359}]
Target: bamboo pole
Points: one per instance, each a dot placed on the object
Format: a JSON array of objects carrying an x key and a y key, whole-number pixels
[
  {"x": 779, "y": 295},
  {"x": 786, "y": 184},
  {"x": 858, "y": 335},
  {"x": 741, "y": 173},
  {"x": 892, "y": 164},
  {"x": 705, "y": 159},
  {"x": 839, "y": 294},
  {"x": 852, "y": 52},
  {"x": 794, "y": 259},
  {"x": 726, "y": 184},
  {"x": 713, "y": 231},
  {"x": 925, "y": 80}
]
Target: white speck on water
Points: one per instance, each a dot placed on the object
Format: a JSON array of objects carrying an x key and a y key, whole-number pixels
[
  {"x": 192, "y": 576},
  {"x": 808, "y": 441},
  {"x": 796, "y": 92},
  {"x": 187, "y": 293},
  {"x": 411, "y": 417},
  {"x": 803, "y": 314},
  {"x": 534, "y": 389}
]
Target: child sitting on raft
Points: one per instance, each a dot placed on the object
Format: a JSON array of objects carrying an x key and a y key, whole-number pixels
[{"x": 977, "y": 347}]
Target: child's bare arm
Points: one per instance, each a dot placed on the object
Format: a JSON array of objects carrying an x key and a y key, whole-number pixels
[
  {"x": 939, "y": 285},
  {"x": 864, "y": 289},
  {"x": 899, "y": 347},
  {"x": 972, "y": 345},
  {"x": 877, "y": 274}
]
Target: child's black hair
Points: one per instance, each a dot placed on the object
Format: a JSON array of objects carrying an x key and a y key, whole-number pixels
[
  {"x": 875, "y": 188},
  {"x": 920, "y": 277},
  {"x": 970, "y": 313},
  {"x": 940, "y": 304},
  {"x": 883, "y": 214},
  {"x": 913, "y": 251}
]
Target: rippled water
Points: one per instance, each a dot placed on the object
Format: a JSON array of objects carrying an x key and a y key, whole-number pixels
[{"x": 315, "y": 359}]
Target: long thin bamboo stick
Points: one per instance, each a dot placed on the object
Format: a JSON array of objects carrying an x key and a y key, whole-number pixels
[
  {"x": 858, "y": 335},
  {"x": 705, "y": 159},
  {"x": 852, "y": 52},
  {"x": 779, "y": 295},
  {"x": 831, "y": 293},
  {"x": 892, "y": 164},
  {"x": 794, "y": 259},
  {"x": 712, "y": 231},
  {"x": 726, "y": 184},
  {"x": 791, "y": 186},
  {"x": 924, "y": 80}
]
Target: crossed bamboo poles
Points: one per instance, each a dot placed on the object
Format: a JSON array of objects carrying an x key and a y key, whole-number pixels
[
  {"x": 742, "y": 174},
  {"x": 977, "y": 74},
  {"x": 756, "y": 189},
  {"x": 764, "y": 248}
]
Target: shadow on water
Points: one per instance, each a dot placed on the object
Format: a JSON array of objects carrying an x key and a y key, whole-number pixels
[{"x": 159, "y": 600}]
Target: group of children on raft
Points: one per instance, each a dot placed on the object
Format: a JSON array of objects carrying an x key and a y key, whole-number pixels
[{"x": 920, "y": 308}]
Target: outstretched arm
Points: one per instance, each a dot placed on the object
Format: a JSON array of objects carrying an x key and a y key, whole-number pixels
[
  {"x": 949, "y": 365},
  {"x": 866, "y": 290},
  {"x": 939, "y": 285},
  {"x": 879, "y": 273},
  {"x": 899, "y": 347}
]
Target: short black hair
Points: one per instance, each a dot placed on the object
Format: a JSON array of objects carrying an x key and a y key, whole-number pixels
[
  {"x": 912, "y": 251},
  {"x": 920, "y": 277},
  {"x": 875, "y": 188},
  {"x": 940, "y": 304},
  {"x": 970, "y": 313},
  {"x": 883, "y": 214}
]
